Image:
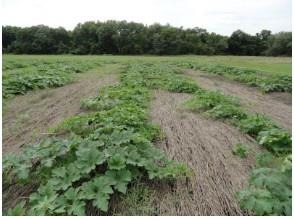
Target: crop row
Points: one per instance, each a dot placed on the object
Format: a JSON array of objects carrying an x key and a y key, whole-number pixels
[
  {"x": 105, "y": 151},
  {"x": 111, "y": 147},
  {"x": 265, "y": 82},
  {"x": 270, "y": 187},
  {"x": 21, "y": 80}
]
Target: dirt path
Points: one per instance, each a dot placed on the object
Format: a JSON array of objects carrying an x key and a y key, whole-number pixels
[
  {"x": 26, "y": 117},
  {"x": 206, "y": 146},
  {"x": 277, "y": 106}
]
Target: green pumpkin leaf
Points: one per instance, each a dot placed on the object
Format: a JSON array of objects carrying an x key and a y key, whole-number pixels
[
  {"x": 71, "y": 203},
  {"x": 18, "y": 210},
  {"x": 120, "y": 179},
  {"x": 99, "y": 191},
  {"x": 117, "y": 162},
  {"x": 43, "y": 202},
  {"x": 102, "y": 202},
  {"x": 64, "y": 177},
  {"x": 88, "y": 159},
  {"x": 120, "y": 137}
]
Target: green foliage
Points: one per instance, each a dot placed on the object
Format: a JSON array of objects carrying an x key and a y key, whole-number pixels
[
  {"x": 280, "y": 43},
  {"x": 43, "y": 202},
  {"x": 121, "y": 37},
  {"x": 270, "y": 188},
  {"x": 216, "y": 104},
  {"x": 13, "y": 165},
  {"x": 116, "y": 162},
  {"x": 265, "y": 82},
  {"x": 63, "y": 177},
  {"x": 265, "y": 159},
  {"x": 39, "y": 76},
  {"x": 112, "y": 147},
  {"x": 80, "y": 125},
  {"x": 70, "y": 203},
  {"x": 88, "y": 158},
  {"x": 120, "y": 178},
  {"x": 281, "y": 83},
  {"x": 270, "y": 160},
  {"x": 263, "y": 43},
  {"x": 240, "y": 150},
  {"x": 20, "y": 84},
  {"x": 266, "y": 132},
  {"x": 115, "y": 95},
  {"x": 112, "y": 37},
  {"x": 275, "y": 140},
  {"x": 226, "y": 112},
  {"x": 106, "y": 150},
  {"x": 181, "y": 85},
  {"x": 18, "y": 210},
  {"x": 47, "y": 152},
  {"x": 160, "y": 76},
  {"x": 254, "y": 124},
  {"x": 269, "y": 192},
  {"x": 206, "y": 100},
  {"x": 98, "y": 190}
]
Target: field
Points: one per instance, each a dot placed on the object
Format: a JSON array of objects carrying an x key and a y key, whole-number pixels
[
  {"x": 272, "y": 65},
  {"x": 146, "y": 135}
]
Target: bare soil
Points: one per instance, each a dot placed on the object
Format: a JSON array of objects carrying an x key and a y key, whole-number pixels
[
  {"x": 26, "y": 118},
  {"x": 277, "y": 106},
  {"x": 205, "y": 145}
]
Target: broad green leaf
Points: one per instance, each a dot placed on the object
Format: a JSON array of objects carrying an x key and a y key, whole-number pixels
[
  {"x": 63, "y": 177},
  {"x": 18, "y": 210},
  {"x": 263, "y": 206},
  {"x": 120, "y": 137},
  {"x": 101, "y": 202},
  {"x": 59, "y": 172},
  {"x": 71, "y": 203},
  {"x": 120, "y": 179},
  {"x": 87, "y": 159},
  {"x": 47, "y": 162},
  {"x": 117, "y": 162},
  {"x": 99, "y": 191},
  {"x": 134, "y": 158},
  {"x": 43, "y": 202}
]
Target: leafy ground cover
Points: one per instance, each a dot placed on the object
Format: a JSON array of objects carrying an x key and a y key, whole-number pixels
[
  {"x": 273, "y": 74},
  {"x": 19, "y": 78},
  {"x": 265, "y": 82},
  {"x": 111, "y": 147},
  {"x": 268, "y": 65},
  {"x": 105, "y": 151}
]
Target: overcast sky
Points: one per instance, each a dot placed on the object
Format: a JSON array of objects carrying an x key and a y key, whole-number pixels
[{"x": 220, "y": 16}]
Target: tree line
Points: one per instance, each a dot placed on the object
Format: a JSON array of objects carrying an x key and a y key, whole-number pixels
[{"x": 130, "y": 38}]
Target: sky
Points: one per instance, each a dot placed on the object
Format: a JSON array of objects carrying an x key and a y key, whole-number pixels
[{"x": 219, "y": 16}]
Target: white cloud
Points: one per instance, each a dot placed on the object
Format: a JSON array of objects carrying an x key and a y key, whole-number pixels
[{"x": 220, "y": 16}]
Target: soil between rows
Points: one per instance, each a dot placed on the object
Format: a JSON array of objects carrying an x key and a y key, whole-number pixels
[
  {"x": 277, "y": 106},
  {"x": 44, "y": 110},
  {"x": 27, "y": 117},
  {"x": 205, "y": 145}
]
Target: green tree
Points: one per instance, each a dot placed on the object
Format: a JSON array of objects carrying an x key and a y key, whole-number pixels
[{"x": 280, "y": 44}]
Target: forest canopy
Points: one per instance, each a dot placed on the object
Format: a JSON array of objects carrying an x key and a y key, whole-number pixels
[{"x": 130, "y": 38}]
